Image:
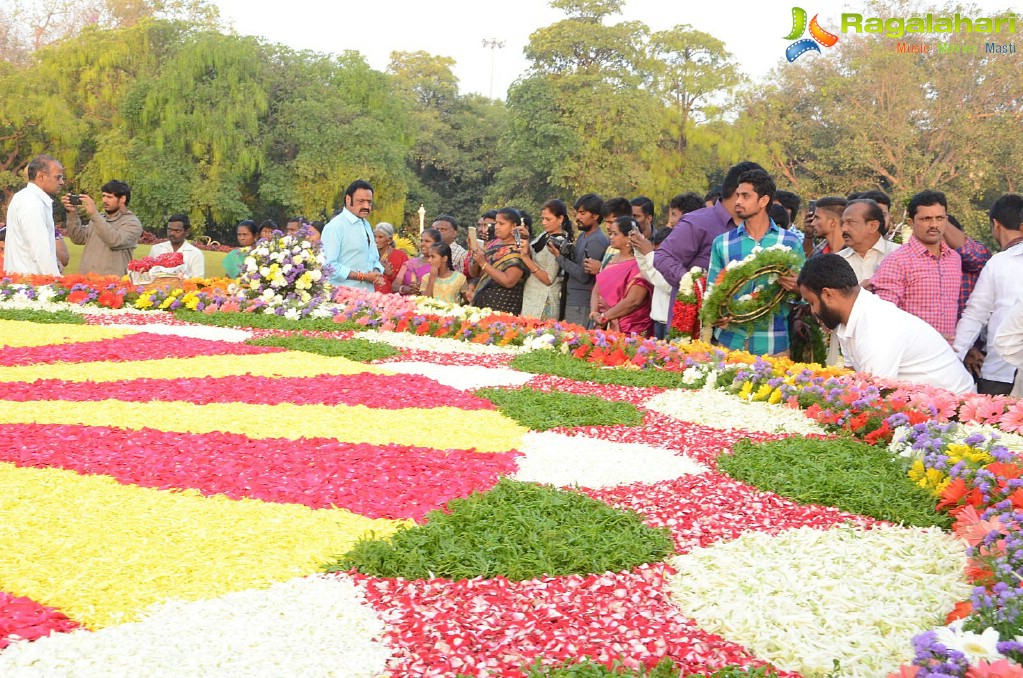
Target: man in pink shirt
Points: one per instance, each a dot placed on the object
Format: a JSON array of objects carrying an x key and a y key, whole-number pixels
[{"x": 923, "y": 277}]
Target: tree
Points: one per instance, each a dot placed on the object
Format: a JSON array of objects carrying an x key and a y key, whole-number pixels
[
  {"x": 455, "y": 137},
  {"x": 690, "y": 69}
]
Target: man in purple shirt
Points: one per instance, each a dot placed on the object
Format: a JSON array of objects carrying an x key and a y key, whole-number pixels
[{"x": 690, "y": 240}]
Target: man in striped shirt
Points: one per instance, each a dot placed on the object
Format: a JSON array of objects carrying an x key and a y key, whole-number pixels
[
  {"x": 924, "y": 276},
  {"x": 753, "y": 197}
]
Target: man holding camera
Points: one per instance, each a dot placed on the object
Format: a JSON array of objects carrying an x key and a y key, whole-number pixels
[
  {"x": 109, "y": 237},
  {"x": 31, "y": 234}
]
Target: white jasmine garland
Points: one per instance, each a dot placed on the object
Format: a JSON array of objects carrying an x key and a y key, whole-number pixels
[
  {"x": 804, "y": 598},
  {"x": 315, "y": 626},
  {"x": 462, "y": 377},
  {"x": 719, "y": 409},
  {"x": 563, "y": 460}
]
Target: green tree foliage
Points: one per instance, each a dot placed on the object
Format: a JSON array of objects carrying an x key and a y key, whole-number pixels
[
  {"x": 612, "y": 109},
  {"x": 454, "y": 137}
]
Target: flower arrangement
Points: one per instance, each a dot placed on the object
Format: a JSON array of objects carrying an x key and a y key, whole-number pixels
[
  {"x": 979, "y": 482},
  {"x": 166, "y": 260},
  {"x": 284, "y": 276},
  {"x": 685, "y": 322},
  {"x": 149, "y": 269},
  {"x": 747, "y": 290}
]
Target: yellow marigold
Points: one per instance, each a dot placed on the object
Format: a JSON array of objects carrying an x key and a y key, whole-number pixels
[
  {"x": 763, "y": 392},
  {"x": 775, "y": 396}
]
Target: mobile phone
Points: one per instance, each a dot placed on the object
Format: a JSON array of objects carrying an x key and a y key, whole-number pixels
[
  {"x": 74, "y": 198},
  {"x": 812, "y": 206},
  {"x": 473, "y": 238},
  {"x": 518, "y": 236}
]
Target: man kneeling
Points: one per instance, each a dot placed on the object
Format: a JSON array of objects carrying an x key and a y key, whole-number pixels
[{"x": 877, "y": 336}]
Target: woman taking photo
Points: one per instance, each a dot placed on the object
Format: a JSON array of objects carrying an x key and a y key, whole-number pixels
[
  {"x": 501, "y": 270},
  {"x": 541, "y": 297},
  {"x": 391, "y": 257},
  {"x": 621, "y": 296},
  {"x": 409, "y": 279},
  {"x": 235, "y": 259}
]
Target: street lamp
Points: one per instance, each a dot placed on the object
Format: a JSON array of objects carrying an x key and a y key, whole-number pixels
[{"x": 494, "y": 44}]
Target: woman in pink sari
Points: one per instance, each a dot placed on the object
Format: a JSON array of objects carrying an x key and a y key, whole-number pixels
[{"x": 621, "y": 297}]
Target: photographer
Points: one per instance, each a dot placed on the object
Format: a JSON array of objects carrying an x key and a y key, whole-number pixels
[
  {"x": 543, "y": 292},
  {"x": 591, "y": 244},
  {"x": 109, "y": 237}
]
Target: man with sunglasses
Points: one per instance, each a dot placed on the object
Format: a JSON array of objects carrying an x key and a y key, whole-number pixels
[{"x": 31, "y": 233}]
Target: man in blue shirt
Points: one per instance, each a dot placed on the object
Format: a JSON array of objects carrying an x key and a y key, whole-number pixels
[
  {"x": 753, "y": 197},
  {"x": 348, "y": 242}
]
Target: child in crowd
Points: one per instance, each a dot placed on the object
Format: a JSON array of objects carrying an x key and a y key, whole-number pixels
[{"x": 443, "y": 282}]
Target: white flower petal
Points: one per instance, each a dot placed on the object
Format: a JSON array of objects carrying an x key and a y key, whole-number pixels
[
  {"x": 564, "y": 460},
  {"x": 805, "y": 597},
  {"x": 315, "y": 626}
]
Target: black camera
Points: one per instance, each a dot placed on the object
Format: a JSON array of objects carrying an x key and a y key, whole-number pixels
[
  {"x": 564, "y": 245},
  {"x": 74, "y": 198}
]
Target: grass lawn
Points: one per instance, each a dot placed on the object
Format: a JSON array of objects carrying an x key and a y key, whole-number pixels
[{"x": 214, "y": 260}]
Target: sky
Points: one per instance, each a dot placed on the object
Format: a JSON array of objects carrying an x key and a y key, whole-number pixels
[{"x": 753, "y": 31}]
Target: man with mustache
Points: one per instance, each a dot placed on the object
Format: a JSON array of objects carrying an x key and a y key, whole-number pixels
[
  {"x": 877, "y": 336},
  {"x": 348, "y": 242},
  {"x": 924, "y": 276}
]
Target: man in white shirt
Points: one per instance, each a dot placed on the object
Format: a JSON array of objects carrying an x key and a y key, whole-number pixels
[
  {"x": 863, "y": 229},
  {"x": 178, "y": 229},
  {"x": 997, "y": 291},
  {"x": 877, "y": 336},
  {"x": 31, "y": 245}
]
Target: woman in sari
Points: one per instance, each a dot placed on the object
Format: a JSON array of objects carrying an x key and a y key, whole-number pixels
[
  {"x": 621, "y": 297},
  {"x": 409, "y": 279},
  {"x": 235, "y": 259},
  {"x": 502, "y": 273},
  {"x": 541, "y": 297},
  {"x": 391, "y": 257}
]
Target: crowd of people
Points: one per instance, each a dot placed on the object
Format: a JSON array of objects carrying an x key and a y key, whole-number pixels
[{"x": 927, "y": 309}]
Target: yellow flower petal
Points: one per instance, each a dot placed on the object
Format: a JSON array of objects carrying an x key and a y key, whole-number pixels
[
  {"x": 18, "y": 333},
  {"x": 284, "y": 364},
  {"x": 440, "y": 428},
  {"x": 103, "y": 552}
]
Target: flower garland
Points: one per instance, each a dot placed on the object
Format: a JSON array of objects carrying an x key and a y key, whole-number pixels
[
  {"x": 756, "y": 276},
  {"x": 685, "y": 322}
]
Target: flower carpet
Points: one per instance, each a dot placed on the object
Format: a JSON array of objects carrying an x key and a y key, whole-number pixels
[{"x": 171, "y": 496}]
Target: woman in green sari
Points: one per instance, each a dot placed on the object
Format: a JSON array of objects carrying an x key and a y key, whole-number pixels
[
  {"x": 235, "y": 259},
  {"x": 500, "y": 267}
]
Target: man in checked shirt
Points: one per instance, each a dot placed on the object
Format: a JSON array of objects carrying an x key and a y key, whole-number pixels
[{"x": 924, "y": 276}]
